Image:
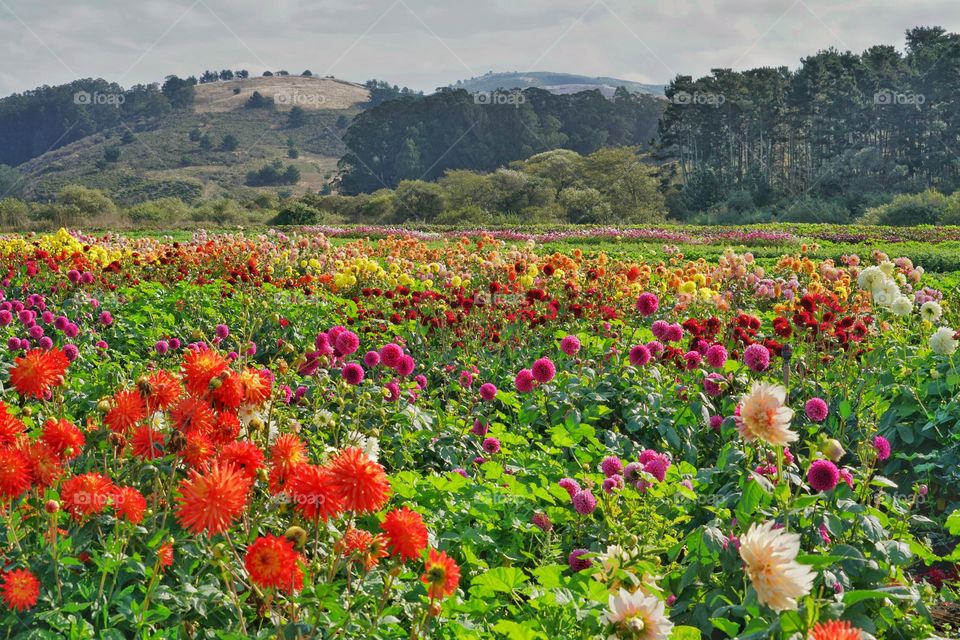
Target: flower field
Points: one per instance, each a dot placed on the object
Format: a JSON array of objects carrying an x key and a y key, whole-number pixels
[{"x": 476, "y": 435}]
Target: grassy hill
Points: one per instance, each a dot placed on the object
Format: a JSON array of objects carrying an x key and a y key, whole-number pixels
[
  {"x": 184, "y": 153},
  {"x": 555, "y": 82}
]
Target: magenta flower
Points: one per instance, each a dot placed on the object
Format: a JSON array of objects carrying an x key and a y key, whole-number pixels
[
  {"x": 711, "y": 384},
  {"x": 352, "y": 373},
  {"x": 347, "y": 343},
  {"x": 541, "y": 521},
  {"x": 757, "y": 357},
  {"x": 479, "y": 428},
  {"x": 488, "y": 391},
  {"x": 715, "y": 422},
  {"x": 222, "y": 331},
  {"x": 692, "y": 360},
  {"x": 882, "y": 447},
  {"x": 569, "y": 485},
  {"x": 716, "y": 356},
  {"x": 584, "y": 502},
  {"x": 390, "y": 354},
  {"x": 647, "y": 304},
  {"x": 371, "y": 359},
  {"x": 491, "y": 445},
  {"x": 570, "y": 345},
  {"x": 823, "y": 475},
  {"x": 611, "y": 466},
  {"x": 161, "y": 347},
  {"x": 816, "y": 409},
  {"x": 657, "y": 467},
  {"x": 524, "y": 381},
  {"x": 405, "y": 366},
  {"x": 543, "y": 370},
  {"x": 659, "y": 329},
  {"x": 577, "y": 562},
  {"x": 639, "y": 355}
]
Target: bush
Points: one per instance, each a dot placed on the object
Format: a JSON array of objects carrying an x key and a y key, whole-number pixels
[
  {"x": 909, "y": 209},
  {"x": 164, "y": 210},
  {"x": 815, "y": 210},
  {"x": 296, "y": 213}
]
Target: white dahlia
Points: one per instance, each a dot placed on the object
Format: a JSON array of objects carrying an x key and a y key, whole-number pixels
[{"x": 770, "y": 558}]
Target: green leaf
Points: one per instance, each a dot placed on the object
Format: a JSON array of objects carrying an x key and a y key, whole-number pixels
[
  {"x": 501, "y": 579},
  {"x": 851, "y": 598},
  {"x": 688, "y": 633},
  {"x": 729, "y": 627}
]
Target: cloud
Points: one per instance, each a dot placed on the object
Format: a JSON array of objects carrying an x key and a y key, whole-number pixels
[{"x": 427, "y": 44}]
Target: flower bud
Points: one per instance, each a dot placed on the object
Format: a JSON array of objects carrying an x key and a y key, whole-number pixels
[{"x": 832, "y": 449}]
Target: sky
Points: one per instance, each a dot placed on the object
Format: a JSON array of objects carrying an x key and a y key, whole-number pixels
[{"x": 425, "y": 45}]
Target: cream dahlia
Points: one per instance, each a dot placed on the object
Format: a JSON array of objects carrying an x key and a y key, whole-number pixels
[
  {"x": 770, "y": 556},
  {"x": 637, "y": 616},
  {"x": 764, "y": 416}
]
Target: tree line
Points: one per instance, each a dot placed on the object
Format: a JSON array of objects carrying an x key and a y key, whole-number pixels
[
  {"x": 421, "y": 138},
  {"x": 834, "y": 137}
]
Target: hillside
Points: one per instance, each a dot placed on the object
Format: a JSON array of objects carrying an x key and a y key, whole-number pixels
[
  {"x": 187, "y": 152},
  {"x": 561, "y": 83}
]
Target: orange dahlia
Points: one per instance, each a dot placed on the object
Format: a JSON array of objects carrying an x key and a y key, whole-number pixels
[
  {"x": 11, "y": 428},
  {"x": 213, "y": 500},
  {"x": 360, "y": 483},
  {"x": 63, "y": 437},
  {"x": 20, "y": 589},
  {"x": 287, "y": 452},
  {"x": 147, "y": 443},
  {"x": 309, "y": 488},
  {"x": 15, "y": 474},
  {"x": 161, "y": 390},
  {"x": 192, "y": 415},
  {"x": 128, "y": 409},
  {"x": 362, "y": 545},
  {"x": 198, "y": 450},
  {"x": 835, "y": 630},
  {"x": 200, "y": 368},
  {"x": 86, "y": 494},
  {"x": 441, "y": 575},
  {"x": 244, "y": 455},
  {"x": 257, "y": 385},
  {"x": 165, "y": 554},
  {"x": 225, "y": 428},
  {"x": 130, "y": 504},
  {"x": 38, "y": 371},
  {"x": 229, "y": 392},
  {"x": 45, "y": 467},
  {"x": 272, "y": 563},
  {"x": 406, "y": 533}
]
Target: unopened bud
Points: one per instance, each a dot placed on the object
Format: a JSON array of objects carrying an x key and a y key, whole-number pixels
[{"x": 832, "y": 449}]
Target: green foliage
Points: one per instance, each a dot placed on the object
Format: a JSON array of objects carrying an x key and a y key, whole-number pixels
[
  {"x": 413, "y": 138},
  {"x": 296, "y": 213},
  {"x": 273, "y": 174}
]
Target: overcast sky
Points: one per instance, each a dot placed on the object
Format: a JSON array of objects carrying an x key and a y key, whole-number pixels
[{"x": 429, "y": 44}]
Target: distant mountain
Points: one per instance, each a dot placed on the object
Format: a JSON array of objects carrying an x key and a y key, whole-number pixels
[
  {"x": 206, "y": 149},
  {"x": 561, "y": 83}
]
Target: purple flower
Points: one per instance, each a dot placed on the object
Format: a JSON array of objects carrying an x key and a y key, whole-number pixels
[
  {"x": 823, "y": 475},
  {"x": 405, "y": 366},
  {"x": 715, "y": 422},
  {"x": 71, "y": 351},
  {"x": 816, "y": 409},
  {"x": 352, "y": 373},
  {"x": 716, "y": 356},
  {"x": 491, "y": 445},
  {"x": 371, "y": 359},
  {"x": 543, "y": 370},
  {"x": 711, "y": 384},
  {"x": 390, "y": 354},
  {"x": 611, "y": 466},
  {"x": 647, "y": 304},
  {"x": 347, "y": 343},
  {"x": 106, "y": 318},
  {"x": 692, "y": 359},
  {"x": 222, "y": 331},
  {"x": 479, "y": 428},
  {"x": 570, "y": 485},
  {"x": 462, "y": 472},
  {"x": 45, "y": 343},
  {"x": 161, "y": 347},
  {"x": 657, "y": 467},
  {"x": 584, "y": 502},
  {"x": 577, "y": 562},
  {"x": 541, "y": 521},
  {"x": 757, "y": 357},
  {"x": 524, "y": 381},
  {"x": 488, "y": 391},
  {"x": 611, "y": 483},
  {"x": 882, "y": 447},
  {"x": 570, "y": 345},
  {"x": 639, "y": 355}
]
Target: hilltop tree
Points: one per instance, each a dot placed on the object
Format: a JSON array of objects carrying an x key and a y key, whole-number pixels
[
  {"x": 258, "y": 101},
  {"x": 179, "y": 92},
  {"x": 229, "y": 142}
]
